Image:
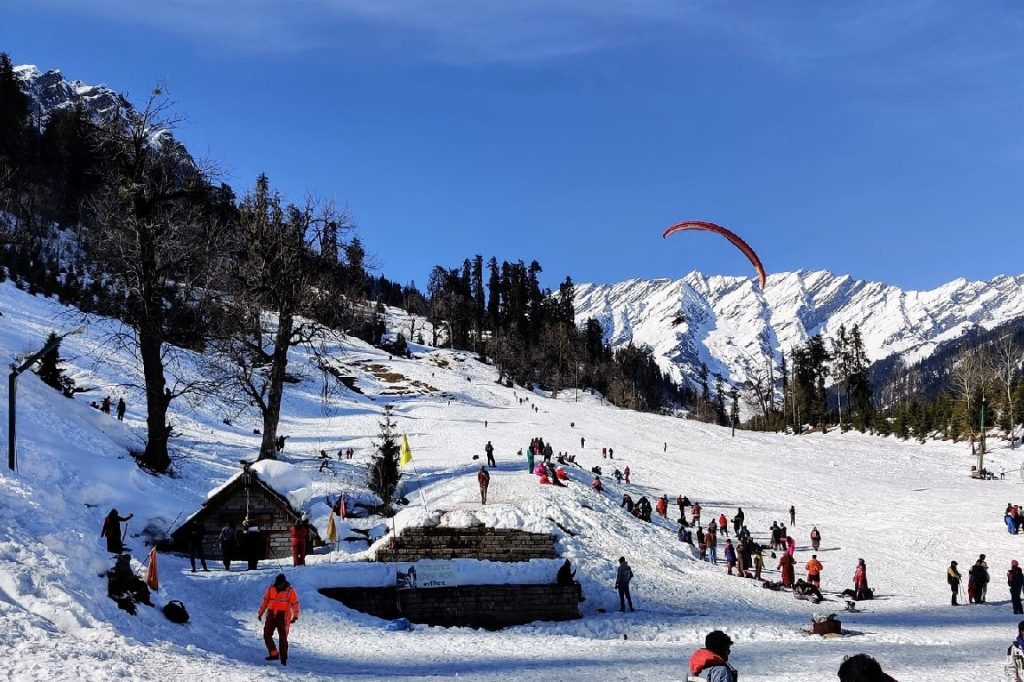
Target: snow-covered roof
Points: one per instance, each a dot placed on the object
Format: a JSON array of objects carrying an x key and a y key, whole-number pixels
[{"x": 287, "y": 480}]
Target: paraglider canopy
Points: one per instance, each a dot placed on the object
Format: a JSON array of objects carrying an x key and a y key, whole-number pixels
[{"x": 731, "y": 236}]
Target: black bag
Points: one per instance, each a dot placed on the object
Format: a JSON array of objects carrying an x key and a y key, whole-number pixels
[{"x": 176, "y": 612}]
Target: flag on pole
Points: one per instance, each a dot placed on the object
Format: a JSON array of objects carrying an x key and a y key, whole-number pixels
[
  {"x": 152, "y": 580},
  {"x": 332, "y": 531},
  {"x": 406, "y": 452}
]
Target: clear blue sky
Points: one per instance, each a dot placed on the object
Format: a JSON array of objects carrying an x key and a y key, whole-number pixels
[{"x": 880, "y": 139}]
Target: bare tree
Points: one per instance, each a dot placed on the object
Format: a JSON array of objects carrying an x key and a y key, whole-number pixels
[
  {"x": 970, "y": 374},
  {"x": 148, "y": 232},
  {"x": 281, "y": 289},
  {"x": 1005, "y": 360}
]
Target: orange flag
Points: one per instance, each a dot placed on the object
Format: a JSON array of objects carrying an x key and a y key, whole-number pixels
[{"x": 151, "y": 576}]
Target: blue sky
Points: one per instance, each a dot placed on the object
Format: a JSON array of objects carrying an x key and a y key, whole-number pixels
[{"x": 880, "y": 139}]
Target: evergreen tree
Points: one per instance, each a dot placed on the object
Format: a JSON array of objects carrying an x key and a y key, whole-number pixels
[
  {"x": 384, "y": 473},
  {"x": 49, "y": 369},
  {"x": 14, "y": 113}
]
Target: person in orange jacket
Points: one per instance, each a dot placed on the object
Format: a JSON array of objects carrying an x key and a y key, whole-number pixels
[
  {"x": 281, "y": 604},
  {"x": 299, "y": 533},
  {"x": 662, "y": 506},
  {"x": 814, "y": 571}
]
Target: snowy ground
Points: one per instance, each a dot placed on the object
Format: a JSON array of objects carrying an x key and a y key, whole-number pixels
[{"x": 907, "y": 509}]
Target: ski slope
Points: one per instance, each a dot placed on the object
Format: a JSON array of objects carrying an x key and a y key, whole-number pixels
[{"x": 906, "y": 508}]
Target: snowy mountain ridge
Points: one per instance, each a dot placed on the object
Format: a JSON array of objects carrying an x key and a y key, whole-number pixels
[{"x": 733, "y": 326}]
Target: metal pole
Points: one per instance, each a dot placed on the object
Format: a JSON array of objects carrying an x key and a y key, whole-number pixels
[{"x": 981, "y": 428}]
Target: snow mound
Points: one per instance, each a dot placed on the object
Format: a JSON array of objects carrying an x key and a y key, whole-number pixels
[{"x": 288, "y": 480}]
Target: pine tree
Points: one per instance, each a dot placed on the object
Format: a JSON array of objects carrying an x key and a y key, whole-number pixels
[
  {"x": 50, "y": 371},
  {"x": 384, "y": 473}
]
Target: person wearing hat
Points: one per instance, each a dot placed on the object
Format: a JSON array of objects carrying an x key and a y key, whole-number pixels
[
  {"x": 953, "y": 578},
  {"x": 1015, "y": 579},
  {"x": 281, "y": 604},
  {"x": 712, "y": 662}
]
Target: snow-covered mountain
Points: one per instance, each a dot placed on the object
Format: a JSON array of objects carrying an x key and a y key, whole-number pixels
[{"x": 733, "y": 326}]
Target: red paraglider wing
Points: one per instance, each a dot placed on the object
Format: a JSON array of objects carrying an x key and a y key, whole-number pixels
[{"x": 731, "y": 236}]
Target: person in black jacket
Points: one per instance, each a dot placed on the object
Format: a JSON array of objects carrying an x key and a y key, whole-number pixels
[{"x": 1015, "y": 579}]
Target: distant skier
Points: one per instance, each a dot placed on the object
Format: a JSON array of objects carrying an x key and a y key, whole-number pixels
[
  {"x": 1015, "y": 581},
  {"x": 281, "y": 604},
  {"x": 484, "y": 479},
  {"x": 815, "y": 538},
  {"x": 121, "y": 407},
  {"x": 112, "y": 531},
  {"x": 489, "y": 449},
  {"x": 712, "y": 662},
  {"x": 953, "y": 578},
  {"x": 623, "y": 576}
]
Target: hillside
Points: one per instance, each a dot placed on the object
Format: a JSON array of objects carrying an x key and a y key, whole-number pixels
[
  {"x": 905, "y": 508},
  {"x": 730, "y": 324}
]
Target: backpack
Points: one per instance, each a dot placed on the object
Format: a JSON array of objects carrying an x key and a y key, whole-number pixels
[{"x": 176, "y": 612}]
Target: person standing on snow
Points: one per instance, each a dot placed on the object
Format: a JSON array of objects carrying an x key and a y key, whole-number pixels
[
  {"x": 977, "y": 583},
  {"x": 299, "y": 535},
  {"x": 815, "y": 538},
  {"x": 814, "y": 571},
  {"x": 953, "y": 578},
  {"x": 195, "y": 545},
  {"x": 786, "y": 568},
  {"x": 228, "y": 544},
  {"x": 1015, "y": 580},
  {"x": 730, "y": 557},
  {"x": 860, "y": 580},
  {"x": 737, "y": 521},
  {"x": 489, "y": 449},
  {"x": 582, "y": 441},
  {"x": 695, "y": 513},
  {"x": 627, "y": 502},
  {"x": 758, "y": 564},
  {"x": 121, "y": 407},
  {"x": 281, "y": 604},
  {"x": 1016, "y": 654},
  {"x": 112, "y": 531},
  {"x": 712, "y": 662},
  {"x": 662, "y": 506},
  {"x": 723, "y": 525},
  {"x": 623, "y": 576},
  {"x": 529, "y": 458},
  {"x": 252, "y": 544},
  {"x": 711, "y": 540},
  {"x": 792, "y": 515},
  {"x": 790, "y": 546},
  {"x": 625, "y": 474},
  {"x": 484, "y": 479}
]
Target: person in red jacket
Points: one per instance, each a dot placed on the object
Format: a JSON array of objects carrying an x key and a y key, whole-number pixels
[
  {"x": 281, "y": 604},
  {"x": 662, "y": 506},
  {"x": 299, "y": 534},
  {"x": 723, "y": 525},
  {"x": 712, "y": 662},
  {"x": 786, "y": 567},
  {"x": 596, "y": 485}
]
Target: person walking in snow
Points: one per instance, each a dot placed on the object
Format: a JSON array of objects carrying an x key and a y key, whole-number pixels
[
  {"x": 112, "y": 531},
  {"x": 489, "y": 449},
  {"x": 121, "y": 407},
  {"x": 196, "y": 535},
  {"x": 623, "y": 576},
  {"x": 582, "y": 441},
  {"x": 730, "y": 557},
  {"x": 529, "y": 458},
  {"x": 484, "y": 479},
  {"x": 814, "y": 571},
  {"x": 281, "y": 604},
  {"x": 723, "y": 525},
  {"x": 611, "y": 455},
  {"x": 695, "y": 513},
  {"x": 105, "y": 406},
  {"x": 252, "y": 544},
  {"x": 815, "y": 538},
  {"x": 790, "y": 546},
  {"x": 712, "y": 662},
  {"x": 792, "y": 515},
  {"x": 625, "y": 474},
  {"x": 953, "y": 578},
  {"x": 228, "y": 544},
  {"x": 737, "y": 521},
  {"x": 627, "y": 502},
  {"x": 662, "y": 506},
  {"x": 1015, "y": 581},
  {"x": 618, "y": 475}
]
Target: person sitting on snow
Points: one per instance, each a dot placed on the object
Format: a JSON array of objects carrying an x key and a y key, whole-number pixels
[{"x": 805, "y": 590}]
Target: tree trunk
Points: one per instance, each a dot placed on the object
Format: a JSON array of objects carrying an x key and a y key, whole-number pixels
[
  {"x": 279, "y": 363},
  {"x": 155, "y": 456}
]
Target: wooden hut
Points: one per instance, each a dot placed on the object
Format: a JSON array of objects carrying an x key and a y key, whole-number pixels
[{"x": 245, "y": 496}]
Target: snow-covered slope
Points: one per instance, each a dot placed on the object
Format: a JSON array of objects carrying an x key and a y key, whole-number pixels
[
  {"x": 74, "y": 466},
  {"x": 733, "y": 326}
]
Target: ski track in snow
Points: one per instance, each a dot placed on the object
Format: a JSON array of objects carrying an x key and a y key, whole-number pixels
[{"x": 905, "y": 508}]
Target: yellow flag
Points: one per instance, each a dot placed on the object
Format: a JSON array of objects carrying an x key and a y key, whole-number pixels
[
  {"x": 406, "y": 453},
  {"x": 332, "y": 531}
]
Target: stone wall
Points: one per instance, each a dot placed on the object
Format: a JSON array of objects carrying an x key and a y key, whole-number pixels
[
  {"x": 480, "y": 542},
  {"x": 481, "y": 606}
]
